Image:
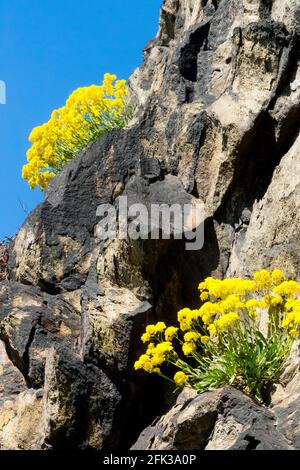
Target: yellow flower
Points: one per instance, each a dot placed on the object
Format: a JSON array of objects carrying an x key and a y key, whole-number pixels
[
  {"x": 204, "y": 339},
  {"x": 287, "y": 288},
  {"x": 207, "y": 312},
  {"x": 188, "y": 348},
  {"x": 231, "y": 302},
  {"x": 204, "y": 296},
  {"x": 137, "y": 365},
  {"x": 253, "y": 303},
  {"x": 160, "y": 327},
  {"x": 151, "y": 330},
  {"x": 146, "y": 337},
  {"x": 226, "y": 321},
  {"x": 180, "y": 378},
  {"x": 186, "y": 318},
  {"x": 157, "y": 358},
  {"x": 164, "y": 347},
  {"x": 220, "y": 289},
  {"x": 144, "y": 362},
  {"x": 151, "y": 348},
  {"x": 87, "y": 114},
  {"x": 276, "y": 301}
]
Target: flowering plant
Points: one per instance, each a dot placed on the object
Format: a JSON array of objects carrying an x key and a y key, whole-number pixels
[
  {"x": 240, "y": 335},
  {"x": 89, "y": 112}
]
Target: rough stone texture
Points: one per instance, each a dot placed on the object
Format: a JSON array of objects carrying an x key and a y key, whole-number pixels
[
  {"x": 30, "y": 323},
  {"x": 220, "y": 420},
  {"x": 80, "y": 404},
  {"x": 217, "y": 121},
  {"x": 3, "y": 261}
]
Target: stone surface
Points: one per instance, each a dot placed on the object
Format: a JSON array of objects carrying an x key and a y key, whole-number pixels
[
  {"x": 224, "y": 419},
  {"x": 217, "y": 103}
]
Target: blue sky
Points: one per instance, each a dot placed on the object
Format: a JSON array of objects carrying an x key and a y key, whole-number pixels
[{"x": 47, "y": 49}]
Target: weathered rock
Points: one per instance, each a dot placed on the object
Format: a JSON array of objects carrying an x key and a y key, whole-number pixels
[
  {"x": 21, "y": 425},
  {"x": 219, "y": 420}
]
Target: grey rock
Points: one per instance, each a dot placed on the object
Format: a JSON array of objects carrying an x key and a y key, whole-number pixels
[
  {"x": 80, "y": 404},
  {"x": 30, "y": 323},
  {"x": 218, "y": 420}
]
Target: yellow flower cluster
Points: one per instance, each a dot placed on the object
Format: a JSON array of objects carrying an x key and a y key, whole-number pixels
[
  {"x": 154, "y": 357},
  {"x": 152, "y": 330},
  {"x": 170, "y": 333},
  {"x": 186, "y": 317},
  {"x": 190, "y": 342},
  {"x": 226, "y": 321},
  {"x": 88, "y": 113},
  {"x": 287, "y": 288}
]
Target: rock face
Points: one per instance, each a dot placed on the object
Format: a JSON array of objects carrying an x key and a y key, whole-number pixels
[
  {"x": 226, "y": 419},
  {"x": 217, "y": 121}
]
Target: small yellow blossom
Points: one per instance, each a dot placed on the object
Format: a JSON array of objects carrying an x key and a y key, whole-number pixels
[
  {"x": 146, "y": 337},
  {"x": 262, "y": 279},
  {"x": 277, "y": 276},
  {"x": 276, "y": 301},
  {"x": 188, "y": 348},
  {"x": 226, "y": 321},
  {"x": 191, "y": 336},
  {"x": 204, "y": 296},
  {"x": 88, "y": 113},
  {"x": 160, "y": 327},
  {"x": 287, "y": 288}
]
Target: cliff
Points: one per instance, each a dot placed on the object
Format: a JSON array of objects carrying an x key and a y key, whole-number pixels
[{"x": 217, "y": 115}]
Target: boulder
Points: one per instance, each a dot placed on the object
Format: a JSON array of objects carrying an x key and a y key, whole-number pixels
[{"x": 223, "y": 419}]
